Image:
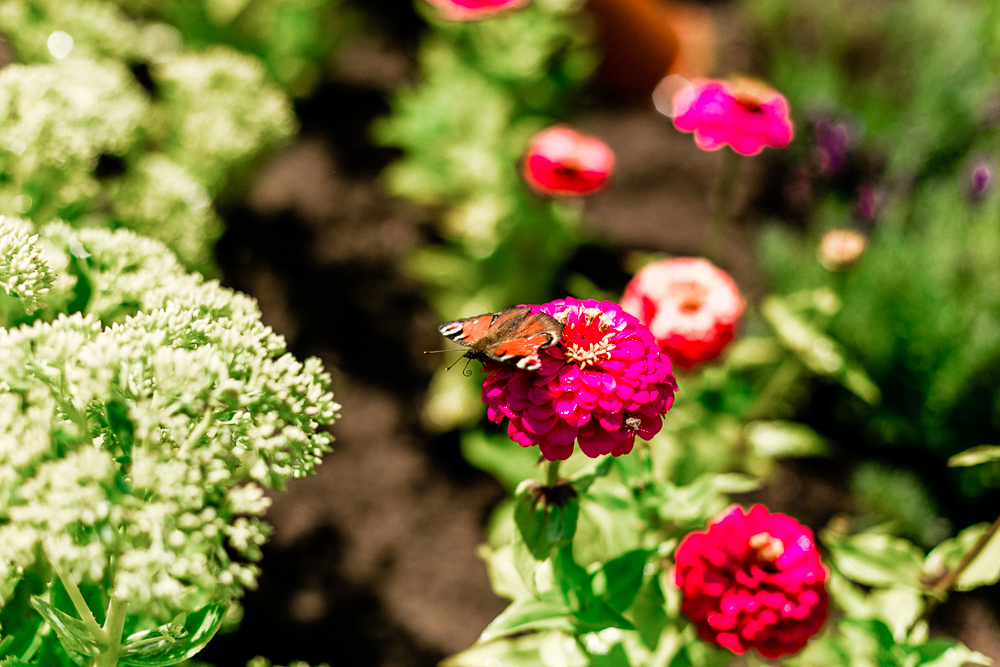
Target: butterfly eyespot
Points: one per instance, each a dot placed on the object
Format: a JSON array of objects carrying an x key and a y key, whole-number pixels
[{"x": 531, "y": 363}]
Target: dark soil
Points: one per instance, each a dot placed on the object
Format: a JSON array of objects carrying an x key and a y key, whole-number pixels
[{"x": 373, "y": 560}]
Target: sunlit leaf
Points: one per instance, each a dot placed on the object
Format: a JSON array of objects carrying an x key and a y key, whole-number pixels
[
  {"x": 510, "y": 652},
  {"x": 899, "y": 607},
  {"x": 548, "y": 613},
  {"x": 777, "y": 439},
  {"x": 975, "y": 456},
  {"x": 876, "y": 559},
  {"x": 74, "y": 636},
  {"x": 947, "y": 653},
  {"x": 174, "y": 642}
]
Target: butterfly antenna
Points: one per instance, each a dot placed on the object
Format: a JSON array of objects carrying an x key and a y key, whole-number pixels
[
  {"x": 465, "y": 371},
  {"x": 452, "y": 365}
]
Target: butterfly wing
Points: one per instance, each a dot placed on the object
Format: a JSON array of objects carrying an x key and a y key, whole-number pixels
[
  {"x": 466, "y": 332},
  {"x": 513, "y": 336},
  {"x": 517, "y": 335},
  {"x": 522, "y": 352}
]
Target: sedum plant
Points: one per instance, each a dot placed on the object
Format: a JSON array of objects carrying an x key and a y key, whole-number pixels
[
  {"x": 143, "y": 413},
  {"x": 106, "y": 120}
]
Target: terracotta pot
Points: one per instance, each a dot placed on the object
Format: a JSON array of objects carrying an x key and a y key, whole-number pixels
[{"x": 645, "y": 40}]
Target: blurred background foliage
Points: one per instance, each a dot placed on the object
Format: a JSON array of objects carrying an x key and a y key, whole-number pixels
[
  {"x": 152, "y": 112},
  {"x": 890, "y": 366},
  {"x": 118, "y": 119},
  {"x": 916, "y": 87}
]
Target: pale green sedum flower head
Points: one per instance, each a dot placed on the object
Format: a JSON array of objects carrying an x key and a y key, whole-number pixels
[{"x": 137, "y": 435}]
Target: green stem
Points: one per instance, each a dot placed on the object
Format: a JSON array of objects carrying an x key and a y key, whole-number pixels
[
  {"x": 784, "y": 377},
  {"x": 87, "y": 616},
  {"x": 553, "y": 478},
  {"x": 113, "y": 627},
  {"x": 722, "y": 206},
  {"x": 939, "y": 593},
  {"x": 197, "y": 434}
]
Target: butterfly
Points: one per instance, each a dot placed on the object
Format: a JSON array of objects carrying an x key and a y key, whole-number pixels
[{"x": 513, "y": 336}]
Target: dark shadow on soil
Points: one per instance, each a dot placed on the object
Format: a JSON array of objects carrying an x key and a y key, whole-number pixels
[{"x": 294, "y": 616}]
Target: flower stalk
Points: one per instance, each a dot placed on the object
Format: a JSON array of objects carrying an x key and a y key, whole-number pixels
[
  {"x": 722, "y": 206},
  {"x": 553, "y": 474},
  {"x": 113, "y": 628},
  {"x": 87, "y": 616},
  {"x": 939, "y": 593}
]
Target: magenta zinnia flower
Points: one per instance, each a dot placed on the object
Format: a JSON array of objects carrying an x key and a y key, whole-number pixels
[
  {"x": 753, "y": 580},
  {"x": 605, "y": 383},
  {"x": 742, "y": 112},
  {"x": 690, "y": 306},
  {"x": 561, "y": 161},
  {"x": 471, "y": 10}
]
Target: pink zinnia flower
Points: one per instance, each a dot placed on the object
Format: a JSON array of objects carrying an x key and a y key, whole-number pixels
[
  {"x": 561, "y": 161},
  {"x": 753, "y": 580},
  {"x": 605, "y": 383},
  {"x": 741, "y": 112},
  {"x": 690, "y": 306},
  {"x": 472, "y": 10}
]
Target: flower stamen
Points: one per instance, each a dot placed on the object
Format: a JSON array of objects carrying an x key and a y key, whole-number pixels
[
  {"x": 769, "y": 549},
  {"x": 588, "y": 341}
]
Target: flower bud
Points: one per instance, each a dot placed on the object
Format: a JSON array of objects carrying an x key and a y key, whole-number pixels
[{"x": 840, "y": 248}]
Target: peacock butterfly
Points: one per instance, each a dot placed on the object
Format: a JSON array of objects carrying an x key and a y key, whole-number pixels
[{"x": 513, "y": 336}]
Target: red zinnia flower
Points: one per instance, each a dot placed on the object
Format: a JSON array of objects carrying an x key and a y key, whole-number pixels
[
  {"x": 605, "y": 383},
  {"x": 741, "y": 112},
  {"x": 753, "y": 580},
  {"x": 471, "y": 10},
  {"x": 690, "y": 306},
  {"x": 561, "y": 161}
]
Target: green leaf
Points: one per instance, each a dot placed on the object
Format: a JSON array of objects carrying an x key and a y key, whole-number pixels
[
  {"x": 612, "y": 656},
  {"x": 14, "y": 662},
  {"x": 174, "y": 642},
  {"x": 826, "y": 651},
  {"x": 547, "y": 613},
  {"x": 648, "y": 611},
  {"x": 51, "y": 653},
  {"x": 817, "y": 352},
  {"x": 19, "y": 618},
  {"x": 608, "y": 527},
  {"x": 523, "y": 651},
  {"x": 583, "y": 482},
  {"x": 975, "y": 456},
  {"x": 623, "y": 577},
  {"x": 545, "y": 516},
  {"x": 599, "y": 615},
  {"x": 76, "y": 639},
  {"x": 875, "y": 559},
  {"x": 575, "y": 583},
  {"x": 898, "y": 607},
  {"x": 505, "y": 579},
  {"x": 947, "y": 653},
  {"x": 777, "y": 439}
]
